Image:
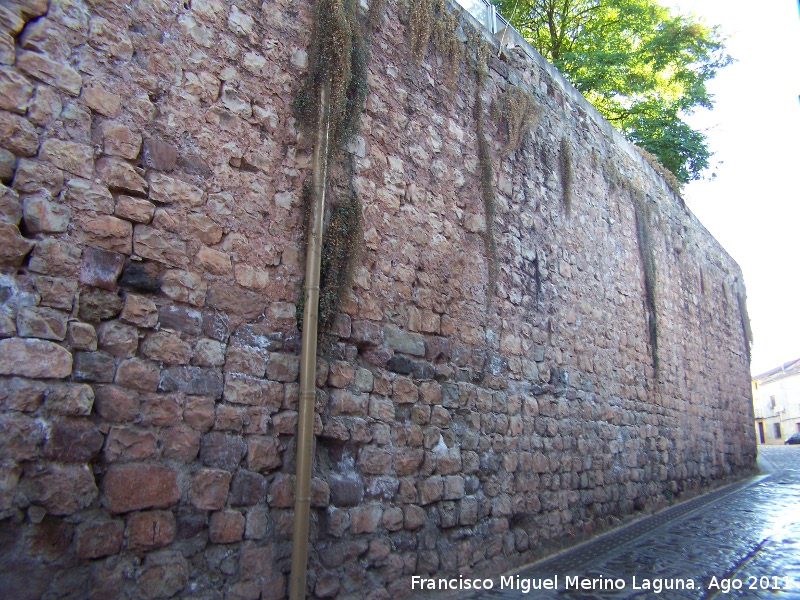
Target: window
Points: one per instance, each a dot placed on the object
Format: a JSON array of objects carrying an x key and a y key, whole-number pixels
[
  {"x": 772, "y": 402},
  {"x": 777, "y": 430}
]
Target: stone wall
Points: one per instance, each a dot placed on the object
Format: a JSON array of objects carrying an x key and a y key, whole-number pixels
[{"x": 151, "y": 247}]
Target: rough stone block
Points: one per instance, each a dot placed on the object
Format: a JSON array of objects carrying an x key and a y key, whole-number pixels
[
  {"x": 281, "y": 491},
  {"x": 253, "y": 392},
  {"x": 81, "y": 336},
  {"x": 22, "y": 395},
  {"x": 85, "y": 195},
  {"x": 119, "y": 140},
  {"x": 108, "y": 232},
  {"x": 134, "y": 209},
  {"x": 138, "y": 374},
  {"x": 100, "y": 268},
  {"x": 199, "y": 413},
  {"x": 97, "y": 539},
  {"x": 248, "y": 489},
  {"x": 51, "y": 72},
  {"x": 10, "y": 206},
  {"x": 94, "y": 366},
  {"x": 181, "y": 318},
  {"x": 70, "y": 399},
  {"x": 151, "y": 529},
  {"x": 41, "y": 322},
  {"x": 21, "y": 437},
  {"x": 95, "y": 305},
  {"x": 184, "y": 286},
  {"x": 159, "y": 155},
  {"x": 181, "y": 443},
  {"x": 13, "y": 247},
  {"x": 213, "y": 261},
  {"x": 116, "y": 404},
  {"x": 72, "y": 157},
  {"x": 209, "y": 489},
  {"x": 61, "y": 489},
  {"x": 163, "y": 574},
  {"x": 135, "y": 487},
  {"x": 160, "y": 246},
  {"x": 43, "y": 216},
  {"x": 222, "y": 450},
  {"x": 121, "y": 176},
  {"x": 140, "y": 311},
  {"x": 209, "y": 353},
  {"x": 226, "y": 527},
  {"x": 127, "y": 444},
  {"x": 166, "y": 190},
  {"x": 404, "y": 341},
  {"x": 55, "y": 292},
  {"x": 38, "y": 359},
  {"x": 192, "y": 380},
  {"x": 263, "y": 453},
  {"x": 166, "y": 347},
  {"x": 18, "y": 134},
  {"x": 72, "y": 441},
  {"x": 15, "y": 91},
  {"x": 97, "y": 97},
  {"x": 118, "y": 339},
  {"x": 283, "y": 367},
  {"x": 162, "y": 410}
]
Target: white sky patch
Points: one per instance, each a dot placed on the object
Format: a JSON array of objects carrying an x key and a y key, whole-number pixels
[{"x": 753, "y": 205}]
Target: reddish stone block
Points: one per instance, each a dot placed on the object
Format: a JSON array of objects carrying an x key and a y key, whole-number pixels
[
  {"x": 281, "y": 491},
  {"x": 226, "y": 526},
  {"x": 263, "y": 453},
  {"x": 199, "y": 412},
  {"x": 365, "y": 519},
  {"x": 209, "y": 489},
  {"x": 138, "y": 374},
  {"x": 61, "y": 489},
  {"x": 127, "y": 444},
  {"x": 162, "y": 410},
  {"x": 152, "y": 529},
  {"x": 248, "y": 489},
  {"x": 116, "y": 404},
  {"x": 134, "y": 487},
  {"x": 73, "y": 441},
  {"x": 222, "y": 450},
  {"x": 375, "y": 461},
  {"x": 180, "y": 443},
  {"x": 96, "y": 539}
]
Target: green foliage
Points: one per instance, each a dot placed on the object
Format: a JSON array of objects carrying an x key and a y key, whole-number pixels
[
  {"x": 644, "y": 237},
  {"x": 520, "y": 111},
  {"x": 643, "y": 67}
]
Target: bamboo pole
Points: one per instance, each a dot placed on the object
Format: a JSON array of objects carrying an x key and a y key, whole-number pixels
[{"x": 308, "y": 356}]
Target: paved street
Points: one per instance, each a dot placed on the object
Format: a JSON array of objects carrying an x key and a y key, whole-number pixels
[{"x": 742, "y": 541}]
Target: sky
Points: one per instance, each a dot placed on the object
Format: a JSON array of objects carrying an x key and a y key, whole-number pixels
[{"x": 752, "y": 206}]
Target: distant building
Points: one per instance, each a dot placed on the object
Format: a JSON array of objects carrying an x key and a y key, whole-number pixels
[{"x": 776, "y": 400}]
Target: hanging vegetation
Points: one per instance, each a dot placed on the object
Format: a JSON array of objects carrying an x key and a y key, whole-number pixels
[
  {"x": 565, "y": 163},
  {"x": 338, "y": 55},
  {"x": 644, "y": 238},
  {"x": 518, "y": 109}
]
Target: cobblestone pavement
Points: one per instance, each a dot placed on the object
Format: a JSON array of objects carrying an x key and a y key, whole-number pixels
[{"x": 742, "y": 541}]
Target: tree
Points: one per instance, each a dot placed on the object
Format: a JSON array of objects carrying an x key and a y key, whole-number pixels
[{"x": 643, "y": 67}]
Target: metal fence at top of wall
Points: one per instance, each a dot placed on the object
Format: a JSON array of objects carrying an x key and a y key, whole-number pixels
[{"x": 486, "y": 13}]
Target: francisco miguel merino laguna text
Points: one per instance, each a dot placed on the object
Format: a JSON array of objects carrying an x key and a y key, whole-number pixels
[{"x": 528, "y": 584}]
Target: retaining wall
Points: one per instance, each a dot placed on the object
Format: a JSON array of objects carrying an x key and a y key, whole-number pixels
[{"x": 151, "y": 245}]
